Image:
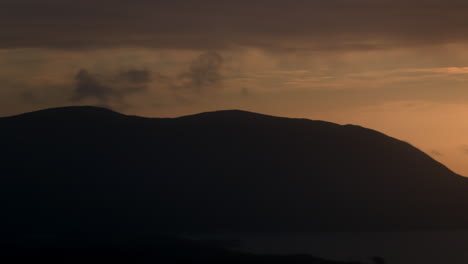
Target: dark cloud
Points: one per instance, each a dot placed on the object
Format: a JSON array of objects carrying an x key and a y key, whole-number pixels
[
  {"x": 109, "y": 90},
  {"x": 88, "y": 86},
  {"x": 133, "y": 81},
  {"x": 204, "y": 73},
  {"x": 213, "y": 24},
  {"x": 135, "y": 76}
]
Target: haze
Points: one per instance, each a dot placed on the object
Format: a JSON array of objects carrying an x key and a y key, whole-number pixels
[{"x": 397, "y": 67}]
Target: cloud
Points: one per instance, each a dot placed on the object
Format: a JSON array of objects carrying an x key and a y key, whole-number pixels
[
  {"x": 88, "y": 86},
  {"x": 204, "y": 73},
  {"x": 372, "y": 79},
  {"x": 135, "y": 76},
  {"x": 214, "y": 24},
  {"x": 108, "y": 91}
]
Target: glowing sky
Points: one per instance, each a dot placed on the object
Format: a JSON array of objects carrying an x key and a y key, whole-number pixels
[{"x": 400, "y": 67}]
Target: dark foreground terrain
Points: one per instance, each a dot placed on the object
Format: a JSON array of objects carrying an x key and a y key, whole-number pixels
[
  {"x": 81, "y": 171},
  {"x": 162, "y": 250}
]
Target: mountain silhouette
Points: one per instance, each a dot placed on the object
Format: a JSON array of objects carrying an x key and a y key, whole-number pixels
[
  {"x": 157, "y": 249},
  {"x": 79, "y": 171}
]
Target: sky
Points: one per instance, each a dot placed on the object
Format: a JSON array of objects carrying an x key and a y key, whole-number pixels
[{"x": 400, "y": 67}]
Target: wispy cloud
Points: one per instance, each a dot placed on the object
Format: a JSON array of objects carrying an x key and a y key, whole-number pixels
[
  {"x": 204, "y": 73},
  {"x": 378, "y": 79},
  {"x": 113, "y": 89}
]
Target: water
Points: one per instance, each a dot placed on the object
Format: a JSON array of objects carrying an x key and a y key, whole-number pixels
[{"x": 436, "y": 247}]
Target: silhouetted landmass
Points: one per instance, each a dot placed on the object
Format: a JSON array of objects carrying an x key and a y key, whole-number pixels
[
  {"x": 86, "y": 170},
  {"x": 151, "y": 250}
]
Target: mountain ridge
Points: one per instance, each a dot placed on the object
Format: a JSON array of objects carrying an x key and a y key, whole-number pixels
[{"x": 226, "y": 170}]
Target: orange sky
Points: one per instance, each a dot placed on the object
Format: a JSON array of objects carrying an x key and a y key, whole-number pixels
[{"x": 397, "y": 67}]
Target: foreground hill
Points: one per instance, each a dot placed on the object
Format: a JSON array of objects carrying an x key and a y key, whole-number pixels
[
  {"x": 157, "y": 249},
  {"x": 88, "y": 170}
]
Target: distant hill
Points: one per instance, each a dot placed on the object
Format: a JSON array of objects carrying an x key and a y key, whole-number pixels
[{"x": 75, "y": 171}]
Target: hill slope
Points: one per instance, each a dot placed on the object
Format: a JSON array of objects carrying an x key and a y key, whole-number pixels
[{"x": 85, "y": 169}]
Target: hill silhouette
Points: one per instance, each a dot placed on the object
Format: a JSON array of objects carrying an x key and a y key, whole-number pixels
[
  {"x": 79, "y": 171},
  {"x": 156, "y": 249}
]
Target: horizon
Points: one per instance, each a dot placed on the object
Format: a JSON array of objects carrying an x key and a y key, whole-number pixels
[
  {"x": 386, "y": 129},
  {"x": 398, "y": 67}
]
